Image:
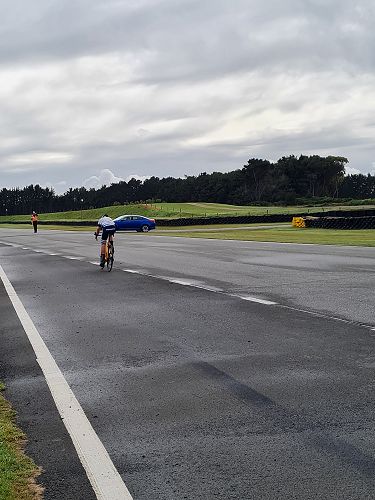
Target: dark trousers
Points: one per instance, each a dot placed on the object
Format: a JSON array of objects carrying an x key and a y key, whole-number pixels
[{"x": 35, "y": 226}]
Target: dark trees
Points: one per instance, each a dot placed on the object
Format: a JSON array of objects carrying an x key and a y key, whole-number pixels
[{"x": 259, "y": 181}]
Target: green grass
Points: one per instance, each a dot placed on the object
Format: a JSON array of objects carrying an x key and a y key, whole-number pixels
[
  {"x": 174, "y": 210},
  {"x": 361, "y": 237},
  {"x": 220, "y": 226},
  {"x": 17, "y": 471},
  {"x": 282, "y": 234},
  {"x": 42, "y": 227},
  {"x": 210, "y": 209}
]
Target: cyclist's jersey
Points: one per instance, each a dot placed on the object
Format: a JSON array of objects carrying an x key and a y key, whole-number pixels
[{"x": 106, "y": 223}]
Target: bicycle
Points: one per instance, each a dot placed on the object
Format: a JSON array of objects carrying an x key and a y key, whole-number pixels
[{"x": 108, "y": 254}]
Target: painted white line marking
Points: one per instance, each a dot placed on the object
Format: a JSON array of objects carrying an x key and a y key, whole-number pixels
[
  {"x": 190, "y": 283},
  {"x": 197, "y": 285},
  {"x": 255, "y": 299},
  {"x": 208, "y": 288},
  {"x": 180, "y": 282},
  {"x": 37, "y": 251},
  {"x": 203, "y": 287},
  {"x": 24, "y": 248},
  {"x": 53, "y": 254},
  {"x": 72, "y": 258},
  {"x": 104, "y": 478},
  {"x": 95, "y": 263},
  {"x": 249, "y": 298}
]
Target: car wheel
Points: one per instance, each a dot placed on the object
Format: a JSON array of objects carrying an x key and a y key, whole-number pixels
[{"x": 145, "y": 228}]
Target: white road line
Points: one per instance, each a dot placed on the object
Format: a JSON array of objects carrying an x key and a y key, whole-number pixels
[
  {"x": 93, "y": 262},
  {"x": 193, "y": 284},
  {"x": 255, "y": 299},
  {"x": 72, "y": 258},
  {"x": 180, "y": 282},
  {"x": 104, "y": 478},
  {"x": 208, "y": 288}
]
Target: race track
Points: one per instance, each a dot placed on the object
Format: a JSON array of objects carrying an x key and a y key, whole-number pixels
[{"x": 212, "y": 369}]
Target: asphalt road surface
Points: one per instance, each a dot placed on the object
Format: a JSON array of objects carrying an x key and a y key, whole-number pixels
[{"x": 212, "y": 369}]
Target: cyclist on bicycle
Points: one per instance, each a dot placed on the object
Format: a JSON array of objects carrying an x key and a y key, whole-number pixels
[{"x": 108, "y": 228}]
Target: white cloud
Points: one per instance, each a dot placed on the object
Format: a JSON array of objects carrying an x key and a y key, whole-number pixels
[
  {"x": 351, "y": 171},
  {"x": 124, "y": 84},
  {"x": 141, "y": 178},
  {"x": 58, "y": 187},
  {"x": 105, "y": 178}
]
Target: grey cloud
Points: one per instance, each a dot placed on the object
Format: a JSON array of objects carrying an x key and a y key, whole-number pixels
[
  {"x": 167, "y": 88},
  {"x": 194, "y": 39}
]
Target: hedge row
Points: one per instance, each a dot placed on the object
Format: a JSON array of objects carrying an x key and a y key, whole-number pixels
[
  {"x": 187, "y": 221},
  {"x": 341, "y": 222},
  {"x": 235, "y": 219}
]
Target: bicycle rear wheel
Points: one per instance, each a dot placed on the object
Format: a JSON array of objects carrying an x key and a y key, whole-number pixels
[{"x": 110, "y": 259}]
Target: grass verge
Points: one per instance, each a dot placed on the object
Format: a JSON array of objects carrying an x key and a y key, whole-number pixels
[
  {"x": 176, "y": 210},
  {"x": 49, "y": 226},
  {"x": 360, "y": 237},
  {"x": 282, "y": 234},
  {"x": 17, "y": 471}
]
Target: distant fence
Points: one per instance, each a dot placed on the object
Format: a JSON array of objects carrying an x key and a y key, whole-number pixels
[
  {"x": 367, "y": 217},
  {"x": 183, "y": 221},
  {"x": 340, "y": 222},
  {"x": 223, "y": 219},
  {"x": 258, "y": 219}
]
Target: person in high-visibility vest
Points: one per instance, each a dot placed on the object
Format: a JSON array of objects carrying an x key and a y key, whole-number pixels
[{"x": 34, "y": 221}]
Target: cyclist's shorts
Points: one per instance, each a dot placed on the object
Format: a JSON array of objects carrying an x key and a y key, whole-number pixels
[{"x": 107, "y": 231}]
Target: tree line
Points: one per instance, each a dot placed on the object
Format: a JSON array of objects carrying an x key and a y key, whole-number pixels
[{"x": 286, "y": 181}]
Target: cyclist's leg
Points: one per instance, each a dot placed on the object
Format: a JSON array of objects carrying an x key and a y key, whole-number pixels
[
  {"x": 102, "y": 247},
  {"x": 110, "y": 233},
  {"x": 102, "y": 257}
]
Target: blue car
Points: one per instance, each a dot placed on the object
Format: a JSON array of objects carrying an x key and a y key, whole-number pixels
[{"x": 135, "y": 223}]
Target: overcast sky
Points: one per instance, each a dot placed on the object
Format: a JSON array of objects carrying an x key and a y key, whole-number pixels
[{"x": 93, "y": 91}]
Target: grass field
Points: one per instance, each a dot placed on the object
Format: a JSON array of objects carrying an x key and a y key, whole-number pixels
[
  {"x": 17, "y": 471},
  {"x": 175, "y": 210},
  {"x": 69, "y": 227},
  {"x": 72, "y": 227},
  {"x": 282, "y": 234},
  {"x": 361, "y": 237},
  {"x": 202, "y": 209}
]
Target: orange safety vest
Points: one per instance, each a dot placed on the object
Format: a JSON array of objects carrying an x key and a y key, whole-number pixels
[{"x": 34, "y": 218}]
